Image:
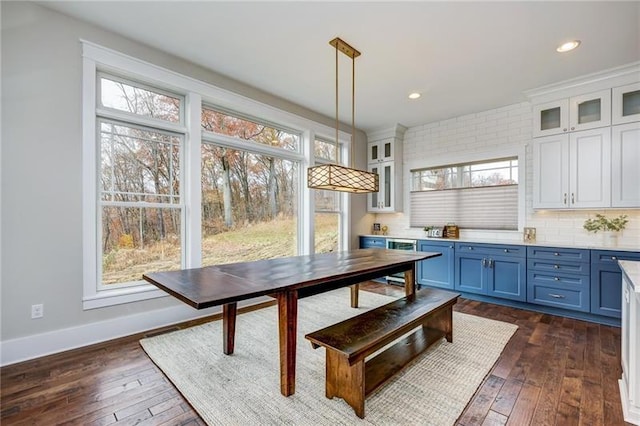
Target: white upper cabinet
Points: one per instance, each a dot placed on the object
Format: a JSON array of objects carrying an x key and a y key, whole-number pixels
[
  {"x": 625, "y": 104},
  {"x": 384, "y": 157},
  {"x": 572, "y": 171},
  {"x": 625, "y": 165},
  {"x": 380, "y": 151},
  {"x": 572, "y": 114}
]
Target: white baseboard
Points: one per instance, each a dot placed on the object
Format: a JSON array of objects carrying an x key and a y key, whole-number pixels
[{"x": 38, "y": 345}]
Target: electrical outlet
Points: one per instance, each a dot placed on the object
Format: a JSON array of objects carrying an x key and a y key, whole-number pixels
[{"x": 37, "y": 311}]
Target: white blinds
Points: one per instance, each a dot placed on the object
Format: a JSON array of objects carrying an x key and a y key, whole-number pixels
[{"x": 489, "y": 207}]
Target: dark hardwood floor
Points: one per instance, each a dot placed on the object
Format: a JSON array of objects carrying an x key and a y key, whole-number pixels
[{"x": 554, "y": 371}]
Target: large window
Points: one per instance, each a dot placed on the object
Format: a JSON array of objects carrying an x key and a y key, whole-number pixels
[
  {"x": 477, "y": 195},
  {"x": 178, "y": 173},
  {"x": 140, "y": 181}
]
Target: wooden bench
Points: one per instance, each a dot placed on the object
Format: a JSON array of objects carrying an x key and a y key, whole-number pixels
[{"x": 347, "y": 343}]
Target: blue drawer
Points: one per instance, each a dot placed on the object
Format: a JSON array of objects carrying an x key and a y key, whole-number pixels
[
  {"x": 610, "y": 256},
  {"x": 556, "y": 253},
  {"x": 558, "y": 280},
  {"x": 558, "y": 267},
  {"x": 577, "y": 300},
  {"x": 491, "y": 249},
  {"x": 373, "y": 242}
]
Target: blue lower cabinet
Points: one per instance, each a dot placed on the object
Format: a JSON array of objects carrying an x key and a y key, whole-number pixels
[
  {"x": 373, "y": 242},
  {"x": 606, "y": 281},
  {"x": 507, "y": 278},
  {"x": 492, "y": 270},
  {"x": 437, "y": 271}
]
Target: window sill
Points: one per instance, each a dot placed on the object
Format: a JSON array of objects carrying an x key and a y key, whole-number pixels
[{"x": 120, "y": 296}]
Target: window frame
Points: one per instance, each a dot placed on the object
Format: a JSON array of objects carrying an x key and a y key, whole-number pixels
[{"x": 97, "y": 59}]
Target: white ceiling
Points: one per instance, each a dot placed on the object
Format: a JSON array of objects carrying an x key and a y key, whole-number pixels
[{"x": 463, "y": 57}]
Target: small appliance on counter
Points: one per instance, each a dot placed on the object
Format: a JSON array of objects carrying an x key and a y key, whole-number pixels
[{"x": 433, "y": 232}]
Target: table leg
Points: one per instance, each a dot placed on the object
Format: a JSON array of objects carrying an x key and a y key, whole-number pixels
[
  {"x": 410, "y": 280},
  {"x": 354, "y": 295},
  {"x": 287, "y": 324},
  {"x": 229, "y": 312}
]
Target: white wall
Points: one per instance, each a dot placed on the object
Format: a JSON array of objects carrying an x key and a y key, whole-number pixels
[
  {"x": 41, "y": 178},
  {"x": 486, "y": 134}
]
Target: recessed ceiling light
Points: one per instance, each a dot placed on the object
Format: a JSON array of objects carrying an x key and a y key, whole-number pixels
[
  {"x": 414, "y": 95},
  {"x": 570, "y": 45}
]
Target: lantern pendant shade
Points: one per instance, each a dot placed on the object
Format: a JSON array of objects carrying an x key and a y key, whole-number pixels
[{"x": 335, "y": 177}]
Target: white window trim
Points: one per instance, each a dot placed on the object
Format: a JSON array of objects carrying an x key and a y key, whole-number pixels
[
  {"x": 97, "y": 58},
  {"x": 515, "y": 150}
]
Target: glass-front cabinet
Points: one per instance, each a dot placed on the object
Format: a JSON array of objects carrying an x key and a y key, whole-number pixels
[
  {"x": 380, "y": 151},
  {"x": 625, "y": 104},
  {"x": 573, "y": 114},
  {"x": 384, "y": 199}
]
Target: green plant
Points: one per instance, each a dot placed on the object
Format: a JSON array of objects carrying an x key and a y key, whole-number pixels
[{"x": 602, "y": 223}]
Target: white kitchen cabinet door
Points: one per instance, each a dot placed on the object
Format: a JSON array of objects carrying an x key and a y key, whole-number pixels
[
  {"x": 380, "y": 151},
  {"x": 590, "y": 111},
  {"x": 625, "y": 104},
  {"x": 551, "y": 118},
  {"x": 551, "y": 172},
  {"x": 590, "y": 168},
  {"x": 625, "y": 165},
  {"x": 387, "y": 199}
]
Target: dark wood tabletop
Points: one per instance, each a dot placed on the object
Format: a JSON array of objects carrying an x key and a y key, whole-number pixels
[{"x": 222, "y": 284}]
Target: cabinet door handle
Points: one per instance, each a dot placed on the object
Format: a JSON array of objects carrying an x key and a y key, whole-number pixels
[
  {"x": 506, "y": 250},
  {"x": 564, "y": 130},
  {"x": 470, "y": 248},
  {"x": 573, "y": 198},
  {"x": 556, "y": 267},
  {"x": 556, "y": 296},
  {"x": 484, "y": 263},
  {"x": 573, "y": 128},
  {"x": 491, "y": 262},
  {"x": 450, "y": 246},
  {"x": 564, "y": 199}
]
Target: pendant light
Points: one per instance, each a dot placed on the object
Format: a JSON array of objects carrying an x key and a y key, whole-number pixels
[{"x": 336, "y": 177}]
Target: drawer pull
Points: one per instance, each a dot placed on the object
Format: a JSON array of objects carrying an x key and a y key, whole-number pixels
[
  {"x": 556, "y": 267},
  {"x": 556, "y": 254},
  {"x": 556, "y": 279},
  {"x": 614, "y": 258},
  {"x": 470, "y": 248},
  {"x": 506, "y": 250},
  {"x": 556, "y": 296}
]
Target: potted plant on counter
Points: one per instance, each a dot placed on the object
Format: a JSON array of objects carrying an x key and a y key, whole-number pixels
[{"x": 610, "y": 227}]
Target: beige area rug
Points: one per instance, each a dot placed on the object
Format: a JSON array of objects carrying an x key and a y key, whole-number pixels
[{"x": 244, "y": 389}]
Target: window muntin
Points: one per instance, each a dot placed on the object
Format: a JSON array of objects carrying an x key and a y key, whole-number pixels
[
  {"x": 470, "y": 175},
  {"x": 139, "y": 164},
  {"x": 249, "y": 205},
  {"x": 224, "y": 123},
  {"x": 138, "y": 99}
]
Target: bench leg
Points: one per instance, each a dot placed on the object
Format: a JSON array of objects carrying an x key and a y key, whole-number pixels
[
  {"x": 442, "y": 322},
  {"x": 345, "y": 381},
  {"x": 229, "y": 312}
]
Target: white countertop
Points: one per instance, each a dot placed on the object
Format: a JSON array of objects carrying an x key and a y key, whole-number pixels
[
  {"x": 511, "y": 241},
  {"x": 632, "y": 270}
]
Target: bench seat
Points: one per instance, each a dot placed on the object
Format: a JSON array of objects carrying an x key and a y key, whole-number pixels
[{"x": 352, "y": 377}]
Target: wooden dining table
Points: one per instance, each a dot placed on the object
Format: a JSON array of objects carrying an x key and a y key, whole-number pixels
[{"x": 286, "y": 279}]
